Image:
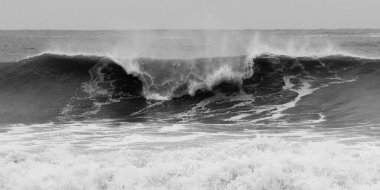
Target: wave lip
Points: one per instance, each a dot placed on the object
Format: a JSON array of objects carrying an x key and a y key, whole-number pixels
[{"x": 170, "y": 78}]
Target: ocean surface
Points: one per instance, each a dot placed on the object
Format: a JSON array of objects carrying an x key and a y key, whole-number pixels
[{"x": 191, "y": 109}]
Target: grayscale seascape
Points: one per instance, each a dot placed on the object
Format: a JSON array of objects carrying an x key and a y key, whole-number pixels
[
  {"x": 223, "y": 110},
  {"x": 189, "y": 95}
]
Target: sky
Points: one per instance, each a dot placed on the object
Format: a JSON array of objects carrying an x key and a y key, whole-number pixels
[{"x": 188, "y": 14}]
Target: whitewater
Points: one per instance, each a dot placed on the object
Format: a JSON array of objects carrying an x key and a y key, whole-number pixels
[{"x": 163, "y": 109}]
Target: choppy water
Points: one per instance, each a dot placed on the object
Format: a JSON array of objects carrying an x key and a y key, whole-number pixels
[{"x": 288, "y": 109}]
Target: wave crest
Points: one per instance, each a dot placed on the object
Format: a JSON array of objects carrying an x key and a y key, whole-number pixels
[{"x": 169, "y": 78}]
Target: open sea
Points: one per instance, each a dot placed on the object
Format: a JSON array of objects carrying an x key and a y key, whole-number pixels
[{"x": 190, "y": 110}]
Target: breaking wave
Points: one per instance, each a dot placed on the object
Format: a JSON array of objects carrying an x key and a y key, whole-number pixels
[{"x": 83, "y": 85}]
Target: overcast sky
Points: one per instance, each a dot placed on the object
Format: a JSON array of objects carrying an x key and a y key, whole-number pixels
[{"x": 188, "y": 14}]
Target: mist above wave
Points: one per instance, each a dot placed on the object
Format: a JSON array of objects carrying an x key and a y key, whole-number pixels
[{"x": 204, "y": 44}]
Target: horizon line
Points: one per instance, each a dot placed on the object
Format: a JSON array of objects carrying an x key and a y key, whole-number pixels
[{"x": 190, "y": 29}]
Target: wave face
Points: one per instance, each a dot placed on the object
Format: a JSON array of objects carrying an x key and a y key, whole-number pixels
[
  {"x": 39, "y": 88},
  {"x": 238, "y": 88}
]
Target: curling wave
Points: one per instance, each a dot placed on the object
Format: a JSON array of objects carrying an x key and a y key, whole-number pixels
[{"x": 82, "y": 86}]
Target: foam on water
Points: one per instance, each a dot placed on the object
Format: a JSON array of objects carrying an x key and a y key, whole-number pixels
[
  {"x": 106, "y": 155},
  {"x": 172, "y": 128},
  {"x": 258, "y": 163}
]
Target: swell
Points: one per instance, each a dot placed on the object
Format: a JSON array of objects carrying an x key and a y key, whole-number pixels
[{"x": 50, "y": 85}]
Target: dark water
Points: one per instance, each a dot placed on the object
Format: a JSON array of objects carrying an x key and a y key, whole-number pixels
[{"x": 289, "y": 109}]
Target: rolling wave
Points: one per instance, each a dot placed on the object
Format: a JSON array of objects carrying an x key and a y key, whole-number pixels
[{"x": 55, "y": 86}]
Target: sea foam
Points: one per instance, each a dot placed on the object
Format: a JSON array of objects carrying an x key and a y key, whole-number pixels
[{"x": 259, "y": 163}]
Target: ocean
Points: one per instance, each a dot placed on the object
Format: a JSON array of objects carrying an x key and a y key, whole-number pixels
[{"x": 190, "y": 109}]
